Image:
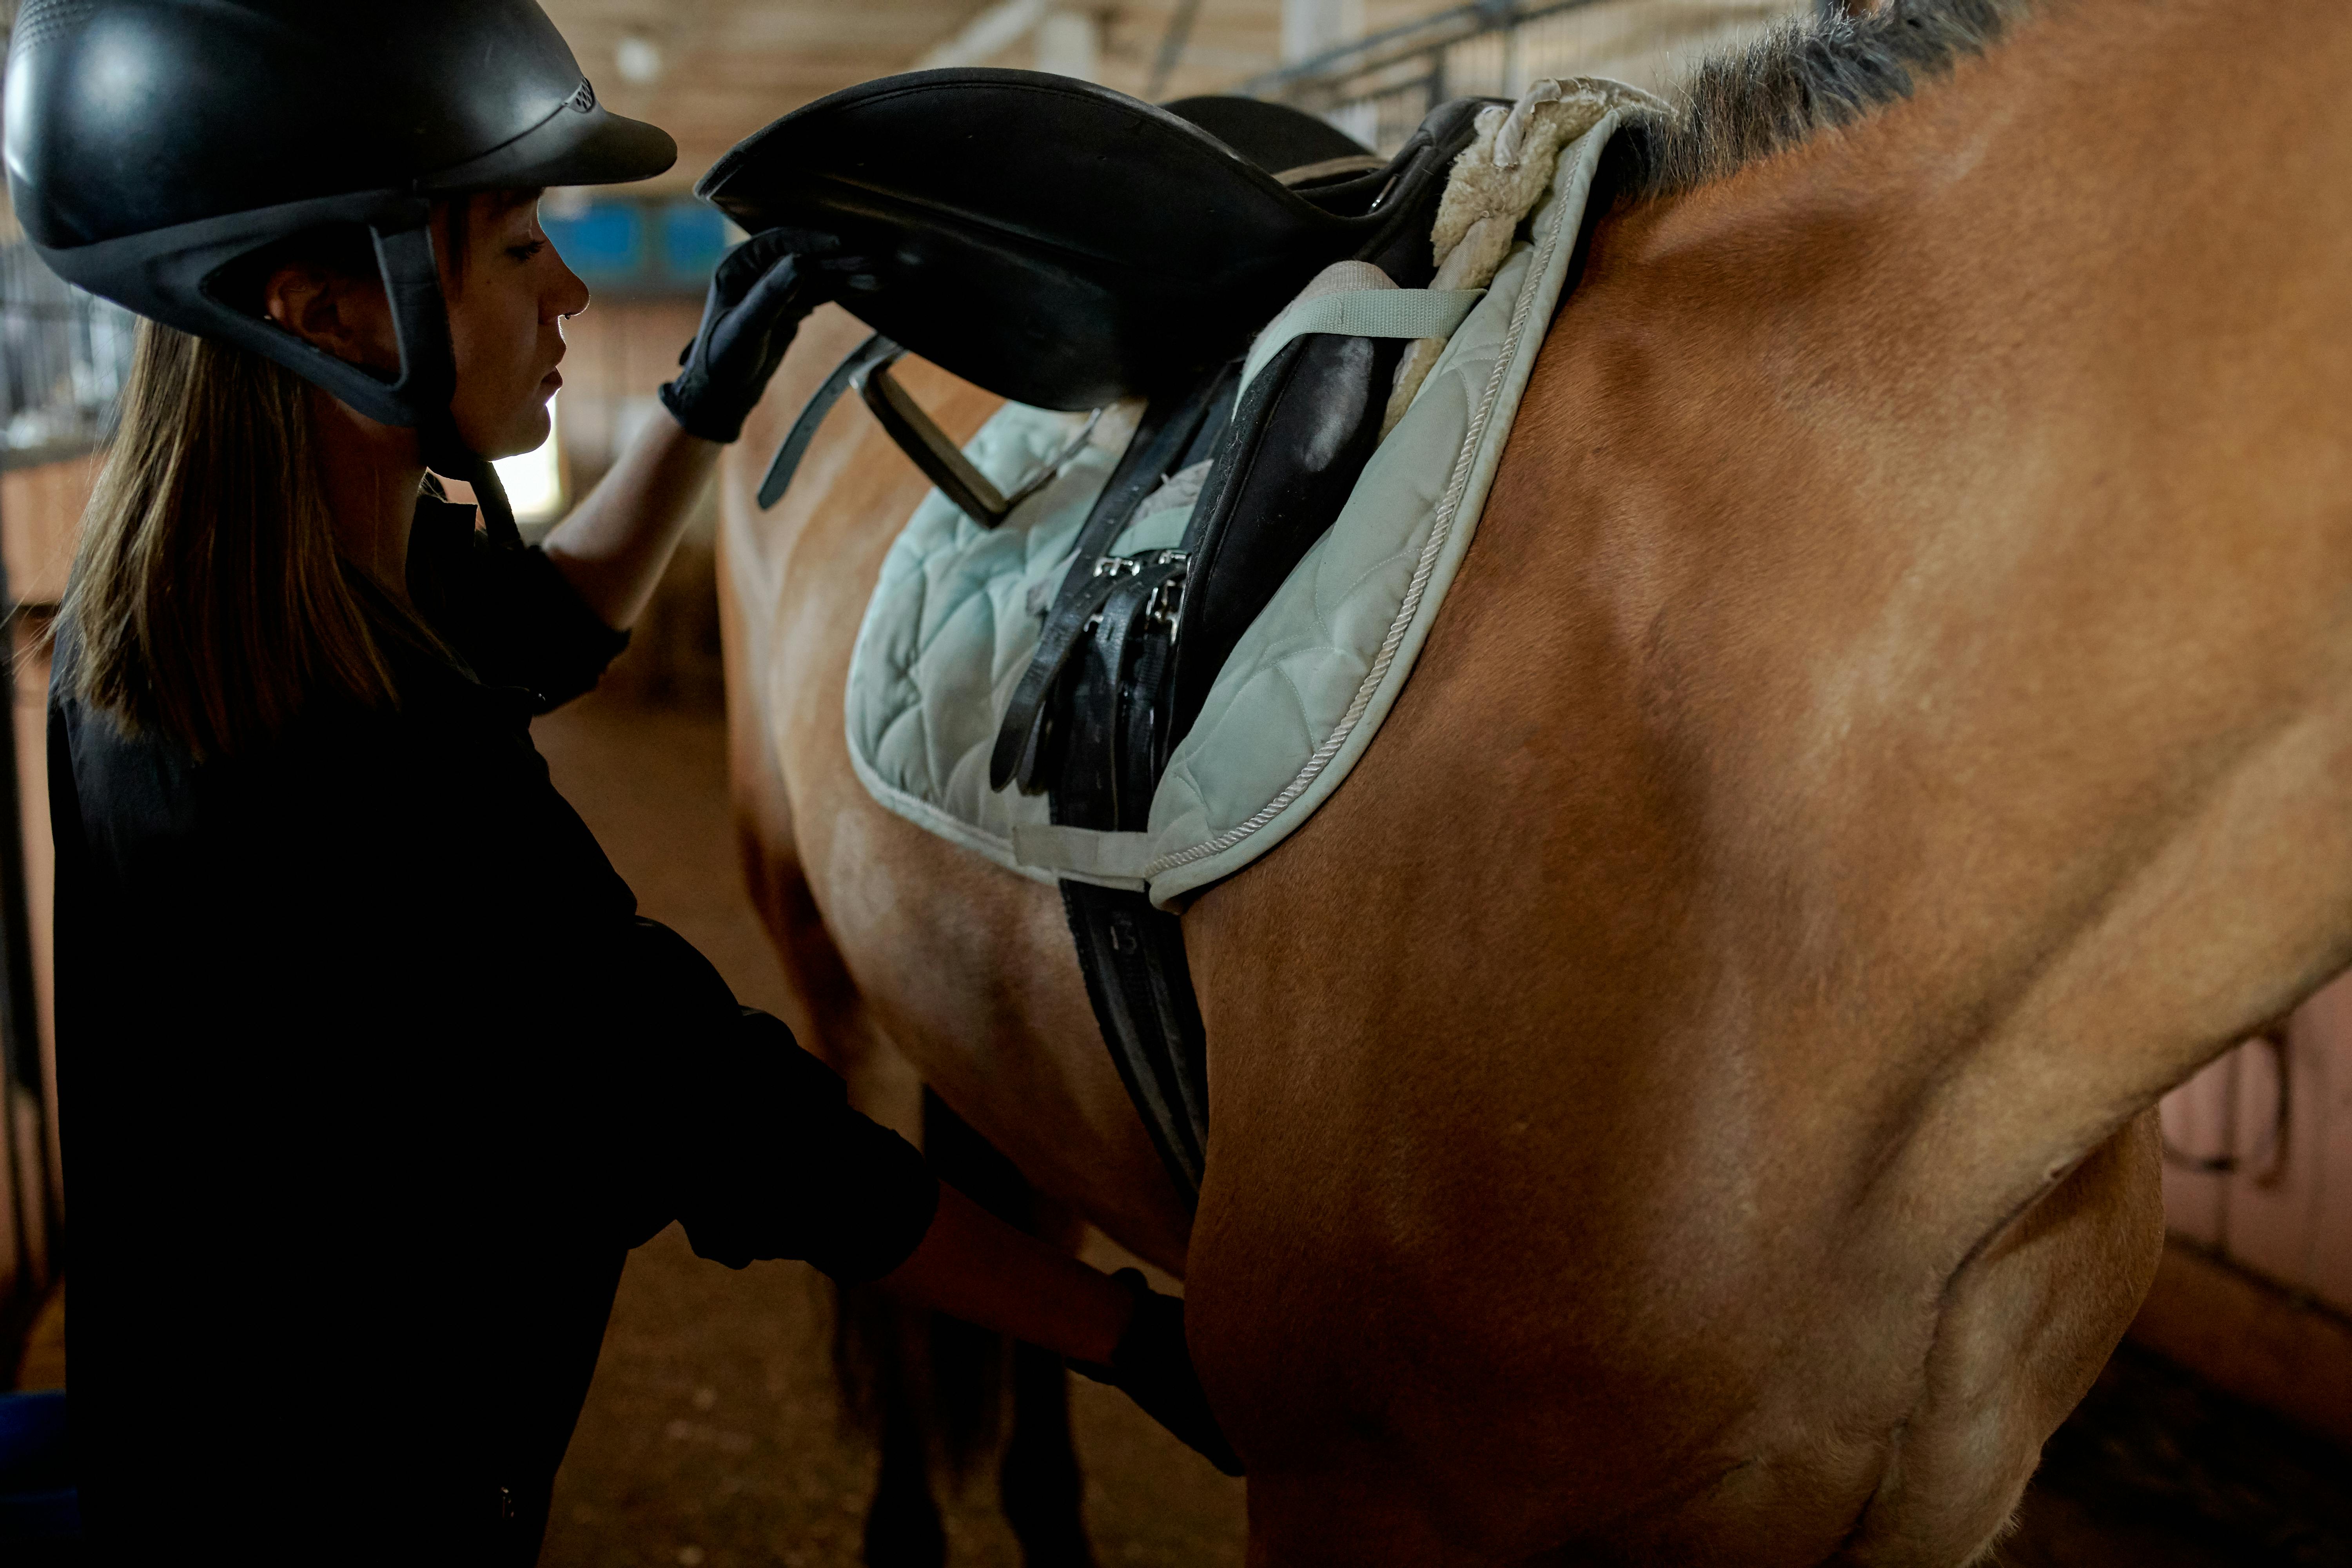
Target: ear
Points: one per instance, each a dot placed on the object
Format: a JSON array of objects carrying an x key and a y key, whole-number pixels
[{"x": 330, "y": 312}]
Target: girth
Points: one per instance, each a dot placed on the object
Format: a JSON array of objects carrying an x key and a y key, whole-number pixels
[{"x": 1132, "y": 643}]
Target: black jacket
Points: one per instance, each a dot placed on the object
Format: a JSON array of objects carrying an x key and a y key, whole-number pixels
[{"x": 370, "y": 1074}]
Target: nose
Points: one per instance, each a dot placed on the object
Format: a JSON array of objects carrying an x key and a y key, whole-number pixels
[{"x": 568, "y": 296}]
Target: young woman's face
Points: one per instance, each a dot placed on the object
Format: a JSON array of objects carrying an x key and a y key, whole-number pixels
[
  {"x": 506, "y": 317},
  {"x": 506, "y": 325}
]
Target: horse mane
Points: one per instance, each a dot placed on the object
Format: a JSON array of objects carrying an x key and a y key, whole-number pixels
[{"x": 1804, "y": 76}]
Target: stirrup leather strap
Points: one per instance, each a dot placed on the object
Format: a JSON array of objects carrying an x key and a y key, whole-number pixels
[{"x": 868, "y": 371}]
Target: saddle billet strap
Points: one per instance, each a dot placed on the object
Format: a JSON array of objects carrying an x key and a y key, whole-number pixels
[
  {"x": 875, "y": 350},
  {"x": 1099, "y": 787},
  {"x": 1065, "y": 630},
  {"x": 1163, "y": 443},
  {"x": 1143, "y": 699},
  {"x": 1131, "y": 954},
  {"x": 942, "y": 461},
  {"x": 1168, "y": 434}
]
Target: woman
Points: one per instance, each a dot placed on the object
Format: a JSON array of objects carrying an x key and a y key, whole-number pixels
[{"x": 370, "y": 1074}]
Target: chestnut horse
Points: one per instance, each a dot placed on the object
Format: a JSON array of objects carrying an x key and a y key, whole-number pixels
[{"x": 1688, "y": 1097}]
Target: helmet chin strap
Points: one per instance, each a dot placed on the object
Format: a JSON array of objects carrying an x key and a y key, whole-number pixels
[
  {"x": 498, "y": 512},
  {"x": 450, "y": 457},
  {"x": 428, "y": 378}
]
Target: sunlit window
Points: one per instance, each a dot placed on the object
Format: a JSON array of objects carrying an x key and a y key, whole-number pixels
[{"x": 534, "y": 480}]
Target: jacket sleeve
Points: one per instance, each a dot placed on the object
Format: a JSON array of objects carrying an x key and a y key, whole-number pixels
[
  {"x": 520, "y": 623},
  {"x": 758, "y": 1152},
  {"x": 786, "y": 1168}
]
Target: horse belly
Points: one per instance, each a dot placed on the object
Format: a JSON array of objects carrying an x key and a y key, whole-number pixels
[{"x": 1454, "y": 1316}]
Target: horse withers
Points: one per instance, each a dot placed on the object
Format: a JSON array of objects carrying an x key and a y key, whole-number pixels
[{"x": 1687, "y": 1098}]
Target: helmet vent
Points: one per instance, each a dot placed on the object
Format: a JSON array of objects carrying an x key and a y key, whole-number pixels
[{"x": 38, "y": 21}]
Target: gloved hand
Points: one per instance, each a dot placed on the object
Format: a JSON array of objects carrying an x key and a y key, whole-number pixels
[
  {"x": 762, "y": 292},
  {"x": 1152, "y": 1366}
]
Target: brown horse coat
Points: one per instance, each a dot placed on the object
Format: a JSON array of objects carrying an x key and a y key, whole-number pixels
[{"x": 1686, "y": 1098}]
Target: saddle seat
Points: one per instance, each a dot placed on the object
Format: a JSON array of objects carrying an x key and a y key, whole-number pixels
[{"x": 1056, "y": 242}]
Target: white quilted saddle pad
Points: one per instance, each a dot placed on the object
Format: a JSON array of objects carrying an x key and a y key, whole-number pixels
[{"x": 956, "y": 613}]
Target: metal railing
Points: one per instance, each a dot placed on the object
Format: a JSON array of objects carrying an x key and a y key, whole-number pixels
[
  {"x": 1379, "y": 88},
  {"x": 64, "y": 356}
]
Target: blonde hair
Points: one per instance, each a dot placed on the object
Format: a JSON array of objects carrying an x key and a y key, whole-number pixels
[{"x": 207, "y": 598}]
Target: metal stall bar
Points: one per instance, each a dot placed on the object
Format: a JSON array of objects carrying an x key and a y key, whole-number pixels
[{"x": 1378, "y": 89}]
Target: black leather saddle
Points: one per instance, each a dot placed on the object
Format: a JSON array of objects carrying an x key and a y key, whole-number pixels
[
  {"x": 1066, "y": 246},
  {"x": 1056, "y": 242}
]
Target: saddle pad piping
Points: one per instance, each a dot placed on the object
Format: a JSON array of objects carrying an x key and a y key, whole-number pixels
[{"x": 1466, "y": 465}]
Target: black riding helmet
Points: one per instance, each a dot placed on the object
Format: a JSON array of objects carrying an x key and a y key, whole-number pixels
[{"x": 151, "y": 144}]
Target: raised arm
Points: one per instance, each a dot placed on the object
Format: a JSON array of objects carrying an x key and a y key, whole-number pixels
[
  {"x": 617, "y": 542},
  {"x": 616, "y": 545}
]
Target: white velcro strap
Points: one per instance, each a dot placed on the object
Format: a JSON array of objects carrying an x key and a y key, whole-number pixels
[{"x": 1363, "y": 313}]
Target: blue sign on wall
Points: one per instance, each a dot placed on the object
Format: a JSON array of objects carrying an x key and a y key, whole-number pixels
[
  {"x": 693, "y": 238},
  {"x": 627, "y": 246},
  {"x": 605, "y": 243}
]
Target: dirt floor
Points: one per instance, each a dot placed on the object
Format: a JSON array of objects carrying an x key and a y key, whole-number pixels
[{"x": 711, "y": 1437}]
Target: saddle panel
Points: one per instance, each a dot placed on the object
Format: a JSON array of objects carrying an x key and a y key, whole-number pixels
[{"x": 1057, "y": 243}]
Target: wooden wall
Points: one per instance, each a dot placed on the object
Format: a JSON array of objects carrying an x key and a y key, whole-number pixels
[
  {"x": 2261, "y": 1154},
  {"x": 2256, "y": 1291},
  {"x": 40, "y": 510},
  {"x": 620, "y": 350}
]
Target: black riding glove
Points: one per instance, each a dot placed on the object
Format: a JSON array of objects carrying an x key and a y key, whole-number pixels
[
  {"x": 1152, "y": 1367},
  {"x": 760, "y": 293}
]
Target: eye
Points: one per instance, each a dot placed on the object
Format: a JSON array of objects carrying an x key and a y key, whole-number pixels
[{"x": 527, "y": 251}]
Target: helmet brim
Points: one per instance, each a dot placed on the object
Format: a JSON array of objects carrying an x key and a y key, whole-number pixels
[{"x": 568, "y": 148}]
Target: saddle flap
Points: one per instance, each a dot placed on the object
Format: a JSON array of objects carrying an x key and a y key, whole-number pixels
[{"x": 1050, "y": 240}]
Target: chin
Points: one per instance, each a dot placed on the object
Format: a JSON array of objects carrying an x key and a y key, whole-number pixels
[{"x": 524, "y": 434}]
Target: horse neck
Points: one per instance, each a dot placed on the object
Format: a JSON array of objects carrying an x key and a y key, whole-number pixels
[
  {"x": 1904, "y": 520},
  {"x": 2093, "y": 282},
  {"x": 2117, "y": 193}
]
